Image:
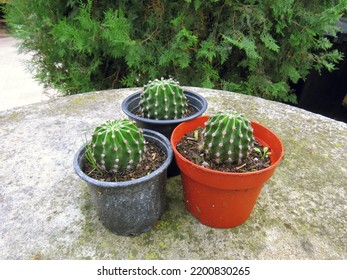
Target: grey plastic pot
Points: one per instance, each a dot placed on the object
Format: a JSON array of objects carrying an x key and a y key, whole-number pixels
[
  {"x": 132, "y": 207},
  {"x": 130, "y": 106}
]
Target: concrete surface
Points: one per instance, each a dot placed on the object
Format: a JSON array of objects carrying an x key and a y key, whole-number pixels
[{"x": 46, "y": 211}]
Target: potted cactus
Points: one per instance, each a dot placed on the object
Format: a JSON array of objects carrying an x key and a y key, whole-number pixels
[
  {"x": 224, "y": 199},
  {"x": 119, "y": 148},
  {"x": 161, "y": 106}
]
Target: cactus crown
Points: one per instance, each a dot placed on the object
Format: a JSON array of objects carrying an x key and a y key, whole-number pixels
[
  {"x": 163, "y": 100},
  {"x": 117, "y": 145},
  {"x": 228, "y": 137}
]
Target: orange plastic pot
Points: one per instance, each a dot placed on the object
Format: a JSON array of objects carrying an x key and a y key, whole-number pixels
[{"x": 223, "y": 199}]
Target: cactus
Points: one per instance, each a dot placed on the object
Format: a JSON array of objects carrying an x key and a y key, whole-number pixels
[
  {"x": 228, "y": 137},
  {"x": 163, "y": 99},
  {"x": 117, "y": 145}
]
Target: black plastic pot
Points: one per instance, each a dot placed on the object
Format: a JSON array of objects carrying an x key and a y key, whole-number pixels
[
  {"x": 131, "y": 207},
  {"x": 130, "y": 106}
]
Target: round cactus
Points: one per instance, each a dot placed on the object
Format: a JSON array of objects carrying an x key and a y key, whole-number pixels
[
  {"x": 117, "y": 145},
  {"x": 163, "y": 100},
  {"x": 228, "y": 137}
]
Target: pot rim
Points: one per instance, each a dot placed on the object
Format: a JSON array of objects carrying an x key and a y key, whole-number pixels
[
  {"x": 158, "y": 137},
  {"x": 188, "y": 93},
  {"x": 223, "y": 173}
]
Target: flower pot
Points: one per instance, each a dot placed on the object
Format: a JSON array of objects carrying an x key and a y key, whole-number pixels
[
  {"x": 223, "y": 199},
  {"x": 130, "y": 106},
  {"x": 131, "y": 207}
]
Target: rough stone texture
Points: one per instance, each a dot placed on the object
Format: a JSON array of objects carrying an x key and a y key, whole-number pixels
[{"x": 46, "y": 211}]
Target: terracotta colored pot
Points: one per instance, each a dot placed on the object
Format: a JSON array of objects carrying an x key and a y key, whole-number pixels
[{"x": 223, "y": 199}]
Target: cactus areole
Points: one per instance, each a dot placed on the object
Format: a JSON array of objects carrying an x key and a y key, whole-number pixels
[
  {"x": 117, "y": 145},
  {"x": 228, "y": 137},
  {"x": 163, "y": 100}
]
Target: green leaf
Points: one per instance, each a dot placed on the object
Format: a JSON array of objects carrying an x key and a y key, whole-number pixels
[
  {"x": 178, "y": 20},
  {"x": 288, "y": 70},
  {"x": 245, "y": 43},
  {"x": 270, "y": 42},
  {"x": 116, "y": 27},
  {"x": 185, "y": 39},
  {"x": 207, "y": 50},
  {"x": 197, "y": 4}
]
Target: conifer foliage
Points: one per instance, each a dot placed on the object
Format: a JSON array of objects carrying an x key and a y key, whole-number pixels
[{"x": 254, "y": 47}]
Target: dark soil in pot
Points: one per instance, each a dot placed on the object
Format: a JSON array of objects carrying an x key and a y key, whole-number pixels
[
  {"x": 189, "y": 147},
  {"x": 153, "y": 158}
]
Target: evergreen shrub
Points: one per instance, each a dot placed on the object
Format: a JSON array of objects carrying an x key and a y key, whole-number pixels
[{"x": 254, "y": 47}]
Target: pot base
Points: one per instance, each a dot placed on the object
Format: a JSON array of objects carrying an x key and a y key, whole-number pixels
[
  {"x": 219, "y": 208},
  {"x": 130, "y": 211}
]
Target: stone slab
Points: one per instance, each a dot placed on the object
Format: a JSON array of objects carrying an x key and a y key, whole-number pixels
[{"x": 46, "y": 211}]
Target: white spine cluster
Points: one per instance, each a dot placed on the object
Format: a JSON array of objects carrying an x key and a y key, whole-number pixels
[
  {"x": 163, "y": 99},
  {"x": 228, "y": 137},
  {"x": 117, "y": 145}
]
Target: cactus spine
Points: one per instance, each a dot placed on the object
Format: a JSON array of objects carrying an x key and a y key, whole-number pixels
[
  {"x": 117, "y": 145},
  {"x": 163, "y": 100},
  {"x": 228, "y": 137}
]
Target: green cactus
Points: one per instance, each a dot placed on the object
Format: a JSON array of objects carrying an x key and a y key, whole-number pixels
[
  {"x": 228, "y": 137},
  {"x": 163, "y": 100},
  {"x": 117, "y": 145}
]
